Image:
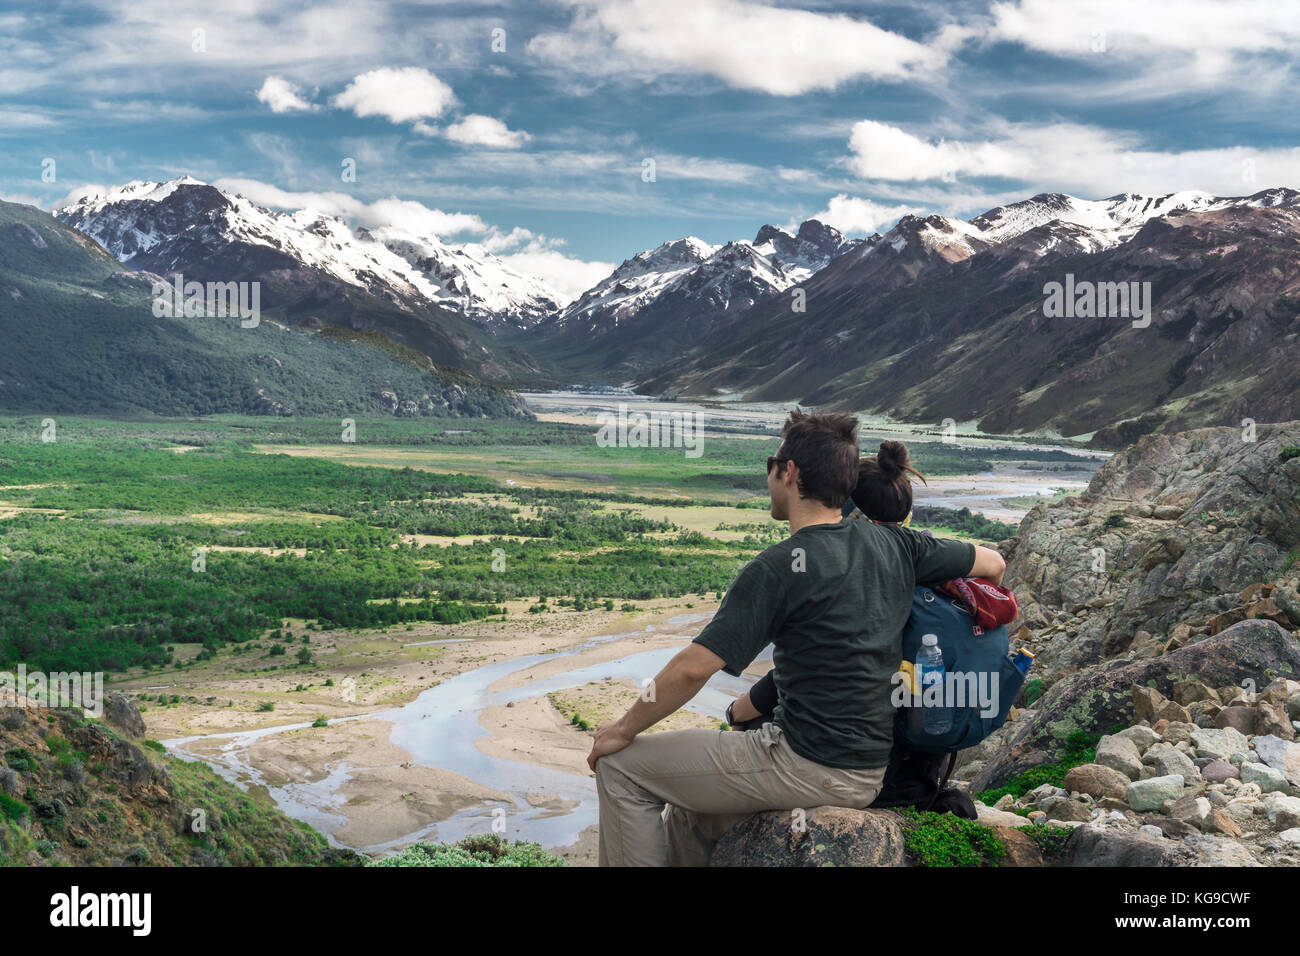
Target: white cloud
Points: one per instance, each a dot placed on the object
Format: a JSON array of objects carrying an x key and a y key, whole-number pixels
[
  {"x": 405, "y": 214},
  {"x": 855, "y": 215},
  {"x": 1207, "y": 29},
  {"x": 478, "y": 130},
  {"x": 282, "y": 96},
  {"x": 565, "y": 274},
  {"x": 749, "y": 45},
  {"x": 1085, "y": 160},
  {"x": 400, "y": 94}
]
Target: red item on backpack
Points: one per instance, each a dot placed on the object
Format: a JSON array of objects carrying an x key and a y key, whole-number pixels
[{"x": 990, "y": 604}]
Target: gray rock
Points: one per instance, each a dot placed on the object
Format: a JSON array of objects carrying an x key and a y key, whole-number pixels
[
  {"x": 832, "y": 836},
  {"x": 1142, "y": 737},
  {"x": 1268, "y": 779},
  {"x": 1151, "y": 831},
  {"x": 1168, "y": 760},
  {"x": 122, "y": 714},
  {"x": 1283, "y": 755},
  {"x": 1091, "y": 845},
  {"x": 1151, "y": 794},
  {"x": 1219, "y": 851},
  {"x": 1119, "y": 753},
  {"x": 1290, "y": 836},
  {"x": 1283, "y": 811},
  {"x": 1218, "y": 743}
]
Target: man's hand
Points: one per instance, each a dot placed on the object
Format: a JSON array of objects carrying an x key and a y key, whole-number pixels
[
  {"x": 610, "y": 739},
  {"x": 679, "y": 681}
]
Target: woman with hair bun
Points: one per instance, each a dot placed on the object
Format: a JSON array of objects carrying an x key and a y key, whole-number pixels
[{"x": 884, "y": 490}]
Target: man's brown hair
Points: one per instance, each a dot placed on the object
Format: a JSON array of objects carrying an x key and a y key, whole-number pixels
[{"x": 825, "y": 447}]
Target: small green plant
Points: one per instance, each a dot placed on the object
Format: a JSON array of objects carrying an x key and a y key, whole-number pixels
[
  {"x": 1287, "y": 453},
  {"x": 1034, "y": 690},
  {"x": 1050, "y": 840},
  {"x": 320, "y": 722},
  {"x": 1115, "y": 520},
  {"x": 265, "y": 706},
  {"x": 943, "y": 839},
  {"x": 11, "y": 809},
  {"x": 1080, "y": 748},
  {"x": 484, "y": 849}
]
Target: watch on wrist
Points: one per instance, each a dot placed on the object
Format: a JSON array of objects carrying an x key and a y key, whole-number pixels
[{"x": 731, "y": 720}]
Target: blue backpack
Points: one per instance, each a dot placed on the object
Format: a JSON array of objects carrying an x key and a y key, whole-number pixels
[
  {"x": 916, "y": 775},
  {"x": 973, "y": 657}
]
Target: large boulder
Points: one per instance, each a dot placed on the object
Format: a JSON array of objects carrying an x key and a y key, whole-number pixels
[
  {"x": 1100, "y": 697},
  {"x": 1091, "y": 845},
  {"x": 831, "y": 836},
  {"x": 120, "y": 713},
  {"x": 1170, "y": 531}
]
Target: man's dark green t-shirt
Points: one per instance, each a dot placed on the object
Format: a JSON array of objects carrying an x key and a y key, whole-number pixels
[{"x": 833, "y": 600}]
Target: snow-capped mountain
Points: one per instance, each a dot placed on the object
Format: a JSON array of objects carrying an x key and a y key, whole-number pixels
[
  {"x": 691, "y": 273},
  {"x": 314, "y": 270},
  {"x": 655, "y": 303},
  {"x": 162, "y": 226},
  {"x": 470, "y": 280}
]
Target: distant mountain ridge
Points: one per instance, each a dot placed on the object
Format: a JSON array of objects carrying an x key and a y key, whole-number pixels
[{"x": 943, "y": 318}]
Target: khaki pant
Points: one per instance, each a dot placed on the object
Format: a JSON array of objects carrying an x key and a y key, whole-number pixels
[{"x": 667, "y": 798}]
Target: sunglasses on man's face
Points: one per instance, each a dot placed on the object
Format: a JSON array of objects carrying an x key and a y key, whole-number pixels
[{"x": 774, "y": 459}]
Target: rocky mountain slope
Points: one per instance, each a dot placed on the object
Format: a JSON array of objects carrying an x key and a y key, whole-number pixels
[
  {"x": 85, "y": 792},
  {"x": 315, "y": 270},
  {"x": 943, "y": 318},
  {"x": 81, "y": 337}
]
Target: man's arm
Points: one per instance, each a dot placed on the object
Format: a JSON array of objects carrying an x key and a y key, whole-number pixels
[
  {"x": 679, "y": 681},
  {"x": 989, "y": 565}
]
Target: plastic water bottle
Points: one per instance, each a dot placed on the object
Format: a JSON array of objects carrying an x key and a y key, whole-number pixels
[
  {"x": 1023, "y": 660},
  {"x": 929, "y": 665}
]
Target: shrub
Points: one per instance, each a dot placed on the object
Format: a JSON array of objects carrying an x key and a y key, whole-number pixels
[
  {"x": 1080, "y": 748},
  {"x": 320, "y": 722},
  {"x": 476, "y": 850},
  {"x": 944, "y": 839},
  {"x": 265, "y": 706},
  {"x": 11, "y": 809}
]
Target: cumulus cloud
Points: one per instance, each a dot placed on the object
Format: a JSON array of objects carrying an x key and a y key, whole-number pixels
[
  {"x": 749, "y": 45},
  {"x": 405, "y": 214},
  {"x": 856, "y": 215},
  {"x": 568, "y": 276},
  {"x": 401, "y": 95},
  {"x": 282, "y": 96},
  {"x": 1086, "y": 160},
  {"x": 478, "y": 130}
]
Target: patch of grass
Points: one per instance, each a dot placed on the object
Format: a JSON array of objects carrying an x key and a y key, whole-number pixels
[
  {"x": 1080, "y": 748},
  {"x": 11, "y": 809},
  {"x": 1034, "y": 690},
  {"x": 944, "y": 839},
  {"x": 1050, "y": 840},
  {"x": 476, "y": 850},
  {"x": 320, "y": 722},
  {"x": 1289, "y": 452}
]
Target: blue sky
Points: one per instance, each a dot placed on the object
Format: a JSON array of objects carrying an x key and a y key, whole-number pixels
[{"x": 527, "y": 126}]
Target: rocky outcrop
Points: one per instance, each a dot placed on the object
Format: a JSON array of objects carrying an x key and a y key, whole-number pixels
[
  {"x": 1174, "y": 539},
  {"x": 122, "y": 714},
  {"x": 828, "y": 836}
]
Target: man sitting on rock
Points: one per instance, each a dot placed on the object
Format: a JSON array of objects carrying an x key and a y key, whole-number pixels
[{"x": 832, "y": 599}]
